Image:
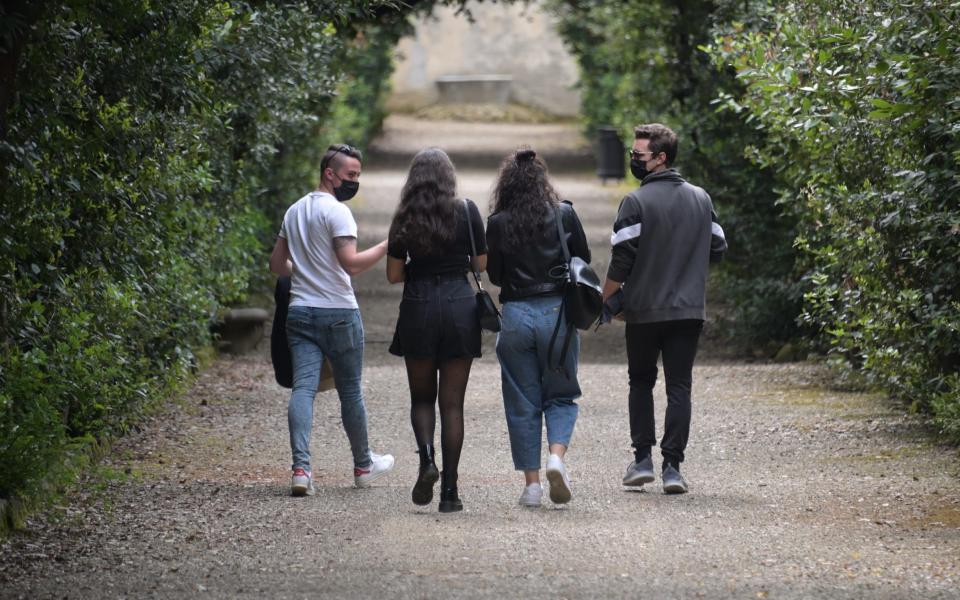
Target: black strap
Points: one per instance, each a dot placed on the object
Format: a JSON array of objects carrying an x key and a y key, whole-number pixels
[
  {"x": 473, "y": 243},
  {"x": 560, "y": 316},
  {"x": 563, "y": 234},
  {"x": 560, "y": 368}
]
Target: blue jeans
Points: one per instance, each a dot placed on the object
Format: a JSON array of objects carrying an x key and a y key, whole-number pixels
[
  {"x": 532, "y": 391},
  {"x": 336, "y": 333}
]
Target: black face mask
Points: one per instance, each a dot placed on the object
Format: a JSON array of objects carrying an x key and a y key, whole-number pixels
[
  {"x": 346, "y": 190},
  {"x": 638, "y": 168}
]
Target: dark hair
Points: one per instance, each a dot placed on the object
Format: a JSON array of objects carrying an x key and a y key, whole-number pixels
[
  {"x": 524, "y": 191},
  {"x": 662, "y": 139},
  {"x": 426, "y": 219},
  {"x": 334, "y": 150}
]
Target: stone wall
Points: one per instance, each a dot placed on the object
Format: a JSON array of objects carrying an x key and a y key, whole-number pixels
[{"x": 515, "y": 40}]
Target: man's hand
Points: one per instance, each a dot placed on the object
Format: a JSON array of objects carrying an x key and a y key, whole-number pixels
[{"x": 610, "y": 287}]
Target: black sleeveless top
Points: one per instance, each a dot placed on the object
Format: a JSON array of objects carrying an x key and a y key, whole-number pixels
[{"x": 454, "y": 259}]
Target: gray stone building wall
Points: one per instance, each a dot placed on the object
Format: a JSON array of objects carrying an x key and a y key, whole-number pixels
[{"x": 515, "y": 40}]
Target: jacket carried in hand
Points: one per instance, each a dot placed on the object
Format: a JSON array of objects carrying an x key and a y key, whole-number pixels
[{"x": 665, "y": 236}]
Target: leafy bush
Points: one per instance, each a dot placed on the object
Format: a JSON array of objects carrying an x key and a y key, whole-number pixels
[{"x": 858, "y": 102}]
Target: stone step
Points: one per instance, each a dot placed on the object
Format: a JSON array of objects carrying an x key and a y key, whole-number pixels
[
  {"x": 242, "y": 329},
  {"x": 480, "y": 145}
]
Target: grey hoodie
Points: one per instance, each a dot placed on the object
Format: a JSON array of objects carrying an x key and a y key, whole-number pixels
[{"x": 664, "y": 238}]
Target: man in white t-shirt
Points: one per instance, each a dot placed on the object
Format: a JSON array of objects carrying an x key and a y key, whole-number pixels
[{"x": 317, "y": 248}]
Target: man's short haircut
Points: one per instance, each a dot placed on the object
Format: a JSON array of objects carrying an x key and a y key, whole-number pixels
[
  {"x": 662, "y": 139},
  {"x": 335, "y": 149}
]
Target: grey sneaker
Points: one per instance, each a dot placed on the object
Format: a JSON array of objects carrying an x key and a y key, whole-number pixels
[
  {"x": 532, "y": 495},
  {"x": 673, "y": 481},
  {"x": 559, "y": 480},
  {"x": 639, "y": 473},
  {"x": 302, "y": 483}
]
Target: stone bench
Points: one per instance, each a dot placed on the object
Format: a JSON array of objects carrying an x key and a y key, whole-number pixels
[
  {"x": 474, "y": 89},
  {"x": 242, "y": 329}
]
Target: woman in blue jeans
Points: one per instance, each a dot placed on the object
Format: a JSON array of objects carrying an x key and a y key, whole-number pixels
[
  {"x": 438, "y": 330},
  {"x": 526, "y": 260}
]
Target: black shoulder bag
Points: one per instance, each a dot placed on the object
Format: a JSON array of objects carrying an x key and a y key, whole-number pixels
[
  {"x": 582, "y": 295},
  {"x": 486, "y": 309}
]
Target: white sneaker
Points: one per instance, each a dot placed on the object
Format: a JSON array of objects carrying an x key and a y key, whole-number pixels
[
  {"x": 302, "y": 484},
  {"x": 559, "y": 481},
  {"x": 380, "y": 466},
  {"x": 532, "y": 495}
]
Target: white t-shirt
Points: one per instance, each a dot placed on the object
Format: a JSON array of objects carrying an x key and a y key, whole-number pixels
[{"x": 309, "y": 227}]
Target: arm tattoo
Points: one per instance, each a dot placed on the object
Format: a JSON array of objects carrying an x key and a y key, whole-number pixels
[{"x": 343, "y": 241}]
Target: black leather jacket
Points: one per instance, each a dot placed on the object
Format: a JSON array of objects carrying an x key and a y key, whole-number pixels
[{"x": 525, "y": 271}]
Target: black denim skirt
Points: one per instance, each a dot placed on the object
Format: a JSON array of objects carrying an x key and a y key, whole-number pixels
[{"x": 438, "y": 319}]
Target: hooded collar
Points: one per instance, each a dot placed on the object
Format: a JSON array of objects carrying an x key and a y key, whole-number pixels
[{"x": 667, "y": 175}]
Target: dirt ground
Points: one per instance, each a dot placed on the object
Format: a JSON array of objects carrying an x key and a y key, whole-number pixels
[{"x": 797, "y": 490}]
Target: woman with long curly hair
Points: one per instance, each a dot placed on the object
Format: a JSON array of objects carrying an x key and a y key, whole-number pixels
[
  {"x": 438, "y": 330},
  {"x": 526, "y": 260}
]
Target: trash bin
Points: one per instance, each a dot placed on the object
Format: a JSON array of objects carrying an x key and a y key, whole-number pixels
[{"x": 610, "y": 154}]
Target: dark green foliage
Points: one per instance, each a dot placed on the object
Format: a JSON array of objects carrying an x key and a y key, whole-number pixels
[
  {"x": 643, "y": 62},
  {"x": 145, "y": 152},
  {"x": 859, "y": 105}
]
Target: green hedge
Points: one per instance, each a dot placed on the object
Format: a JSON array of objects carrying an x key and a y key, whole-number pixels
[
  {"x": 858, "y": 102},
  {"x": 146, "y": 153}
]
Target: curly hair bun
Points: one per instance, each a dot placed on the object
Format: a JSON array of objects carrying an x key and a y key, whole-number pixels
[{"x": 525, "y": 155}]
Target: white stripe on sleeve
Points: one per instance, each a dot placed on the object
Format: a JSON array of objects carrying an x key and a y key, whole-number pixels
[
  {"x": 716, "y": 230},
  {"x": 625, "y": 234}
]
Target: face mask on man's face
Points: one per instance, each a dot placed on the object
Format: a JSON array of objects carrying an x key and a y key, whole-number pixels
[
  {"x": 638, "y": 168},
  {"x": 346, "y": 190}
]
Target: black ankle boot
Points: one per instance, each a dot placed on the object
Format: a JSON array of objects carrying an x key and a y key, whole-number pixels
[
  {"x": 429, "y": 474},
  {"x": 449, "y": 499}
]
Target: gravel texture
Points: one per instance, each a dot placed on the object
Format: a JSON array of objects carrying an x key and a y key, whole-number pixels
[{"x": 797, "y": 490}]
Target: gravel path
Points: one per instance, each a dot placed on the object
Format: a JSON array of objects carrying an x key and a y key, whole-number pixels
[{"x": 797, "y": 491}]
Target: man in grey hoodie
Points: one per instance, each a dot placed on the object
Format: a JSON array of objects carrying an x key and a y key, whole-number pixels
[{"x": 664, "y": 238}]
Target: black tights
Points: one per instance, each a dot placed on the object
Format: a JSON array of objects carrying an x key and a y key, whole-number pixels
[{"x": 425, "y": 393}]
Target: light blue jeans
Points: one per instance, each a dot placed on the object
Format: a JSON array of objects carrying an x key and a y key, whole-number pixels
[
  {"x": 534, "y": 392},
  {"x": 336, "y": 333}
]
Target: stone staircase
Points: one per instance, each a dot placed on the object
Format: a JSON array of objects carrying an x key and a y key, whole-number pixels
[{"x": 480, "y": 146}]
